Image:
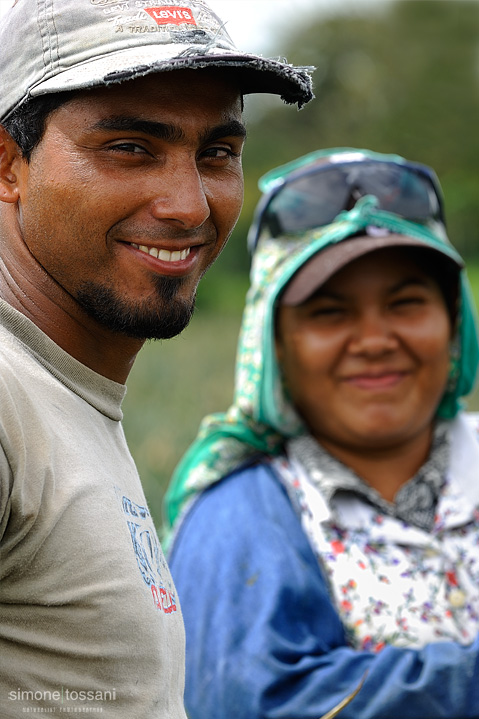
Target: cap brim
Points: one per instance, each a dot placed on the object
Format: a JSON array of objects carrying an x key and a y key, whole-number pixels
[
  {"x": 252, "y": 73},
  {"x": 326, "y": 263}
]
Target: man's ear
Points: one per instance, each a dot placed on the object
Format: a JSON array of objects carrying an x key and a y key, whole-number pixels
[{"x": 11, "y": 161}]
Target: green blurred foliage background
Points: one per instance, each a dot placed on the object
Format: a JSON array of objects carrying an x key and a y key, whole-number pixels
[{"x": 399, "y": 77}]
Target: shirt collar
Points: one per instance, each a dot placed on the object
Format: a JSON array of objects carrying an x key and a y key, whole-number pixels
[{"x": 415, "y": 502}]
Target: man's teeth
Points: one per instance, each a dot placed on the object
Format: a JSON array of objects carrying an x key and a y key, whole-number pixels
[{"x": 164, "y": 255}]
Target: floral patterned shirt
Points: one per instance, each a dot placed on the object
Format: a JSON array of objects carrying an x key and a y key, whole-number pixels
[{"x": 393, "y": 582}]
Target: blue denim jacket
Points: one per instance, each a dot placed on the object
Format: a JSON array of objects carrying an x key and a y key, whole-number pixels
[{"x": 264, "y": 640}]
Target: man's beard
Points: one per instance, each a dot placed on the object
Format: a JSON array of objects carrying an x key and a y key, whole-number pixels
[{"x": 161, "y": 317}]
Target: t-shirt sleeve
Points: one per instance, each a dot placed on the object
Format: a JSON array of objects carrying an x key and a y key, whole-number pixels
[
  {"x": 5, "y": 492},
  {"x": 9, "y": 425},
  {"x": 264, "y": 640}
]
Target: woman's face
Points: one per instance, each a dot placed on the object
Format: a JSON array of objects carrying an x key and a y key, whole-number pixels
[{"x": 366, "y": 358}]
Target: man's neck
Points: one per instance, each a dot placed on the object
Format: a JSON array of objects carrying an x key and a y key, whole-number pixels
[{"x": 60, "y": 317}]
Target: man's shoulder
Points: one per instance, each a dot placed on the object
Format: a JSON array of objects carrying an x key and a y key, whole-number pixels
[
  {"x": 12, "y": 350},
  {"x": 16, "y": 363}
]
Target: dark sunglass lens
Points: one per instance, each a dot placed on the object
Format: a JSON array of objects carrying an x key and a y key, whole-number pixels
[
  {"x": 398, "y": 189},
  {"x": 309, "y": 201},
  {"x": 315, "y": 199}
]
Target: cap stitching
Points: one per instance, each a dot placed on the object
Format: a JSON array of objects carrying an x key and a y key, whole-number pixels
[{"x": 55, "y": 46}]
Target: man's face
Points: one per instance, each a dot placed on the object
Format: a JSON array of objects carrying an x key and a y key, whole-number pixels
[{"x": 132, "y": 193}]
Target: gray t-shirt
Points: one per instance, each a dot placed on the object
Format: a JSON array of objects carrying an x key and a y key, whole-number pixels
[{"x": 89, "y": 618}]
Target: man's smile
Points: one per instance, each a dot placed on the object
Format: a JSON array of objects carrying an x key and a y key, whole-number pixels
[
  {"x": 161, "y": 254},
  {"x": 169, "y": 262}
]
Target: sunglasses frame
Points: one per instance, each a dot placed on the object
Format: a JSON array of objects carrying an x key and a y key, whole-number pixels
[{"x": 278, "y": 182}]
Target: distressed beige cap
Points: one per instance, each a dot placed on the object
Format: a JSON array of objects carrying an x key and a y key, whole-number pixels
[{"x": 49, "y": 46}]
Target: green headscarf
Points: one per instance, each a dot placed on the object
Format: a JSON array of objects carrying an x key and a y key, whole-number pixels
[{"x": 261, "y": 417}]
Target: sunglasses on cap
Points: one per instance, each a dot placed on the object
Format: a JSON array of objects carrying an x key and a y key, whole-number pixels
[{"x": 308, "y": 194}]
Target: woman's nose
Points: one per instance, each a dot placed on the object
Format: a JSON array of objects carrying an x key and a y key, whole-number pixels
[{"x": 372, "y": 334}]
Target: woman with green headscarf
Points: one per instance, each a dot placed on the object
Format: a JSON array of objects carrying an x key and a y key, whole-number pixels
[{"x": 327, "y": 525}]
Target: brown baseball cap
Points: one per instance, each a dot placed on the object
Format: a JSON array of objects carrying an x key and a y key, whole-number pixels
[{"x": 327, "y": 262}]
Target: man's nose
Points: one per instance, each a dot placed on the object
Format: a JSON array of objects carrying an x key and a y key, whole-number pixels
[{"x": 181, "y": 197}]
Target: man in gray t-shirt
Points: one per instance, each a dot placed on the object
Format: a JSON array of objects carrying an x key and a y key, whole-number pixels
[{"x": 120, "y": 181}]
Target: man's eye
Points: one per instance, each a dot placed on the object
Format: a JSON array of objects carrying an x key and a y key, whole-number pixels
[
  {"x": 128, "y": 147},
  {"x": 219, "y": 153}
]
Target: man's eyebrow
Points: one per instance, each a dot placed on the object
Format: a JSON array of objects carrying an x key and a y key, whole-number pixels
[
  {"x": 166, "y": 131},
  {"x": 234, "y": 128},
  {"x": 126, "y": 123}
]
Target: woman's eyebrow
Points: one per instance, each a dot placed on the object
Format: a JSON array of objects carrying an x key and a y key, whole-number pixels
[
  {"x": 325, "y": 294},
  {"x": 413, "y": 280},
  {"x": 338, "y": 296}
]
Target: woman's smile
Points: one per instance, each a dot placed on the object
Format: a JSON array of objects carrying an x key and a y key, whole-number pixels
[{"x": 376, "y": 381}]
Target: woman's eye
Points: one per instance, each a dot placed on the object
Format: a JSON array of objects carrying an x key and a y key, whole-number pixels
[
  {"x": 331, "y": 311},
  {"x": 410, "y": 301}
]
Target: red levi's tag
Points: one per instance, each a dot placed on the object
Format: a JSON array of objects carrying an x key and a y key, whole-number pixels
[{"x": 171, "y": 15}]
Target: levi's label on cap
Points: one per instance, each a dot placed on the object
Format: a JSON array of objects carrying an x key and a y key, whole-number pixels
[{"x": 171, "y": 14}]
